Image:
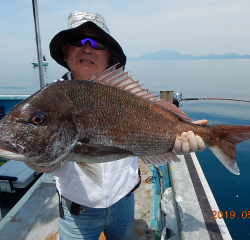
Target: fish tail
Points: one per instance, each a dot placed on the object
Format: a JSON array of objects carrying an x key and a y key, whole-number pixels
[{"x": 223, "y": 143}]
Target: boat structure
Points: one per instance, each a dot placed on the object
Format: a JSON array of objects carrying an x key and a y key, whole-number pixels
[
  {"x": 173, "y": 202},
  {"x": 35, "y": 62}
]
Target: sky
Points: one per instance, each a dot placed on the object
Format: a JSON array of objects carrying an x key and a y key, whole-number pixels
[{"x": 140, "y": 26}]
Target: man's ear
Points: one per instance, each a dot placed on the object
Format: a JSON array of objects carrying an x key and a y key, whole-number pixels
[{"x": 65, "y": 52}]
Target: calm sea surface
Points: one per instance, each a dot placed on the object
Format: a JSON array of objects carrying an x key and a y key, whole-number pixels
[{"x": 194, "y": 78}]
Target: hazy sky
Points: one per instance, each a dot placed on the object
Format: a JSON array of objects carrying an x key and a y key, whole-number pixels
[{"x": 140, "y": 26}]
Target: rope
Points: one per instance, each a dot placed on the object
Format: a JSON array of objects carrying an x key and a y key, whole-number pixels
[{"x": 152, "y": 179}]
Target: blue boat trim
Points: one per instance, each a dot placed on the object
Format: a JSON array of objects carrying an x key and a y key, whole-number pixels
[
  {"x": 155, "y": 194},
  {"x": 35, "y": 64},
  {"x": 9, "y": 101},
  {"x": 13, "y": 97}
]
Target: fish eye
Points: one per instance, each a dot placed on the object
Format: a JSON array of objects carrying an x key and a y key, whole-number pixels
[{"x": 37, "y": 119}]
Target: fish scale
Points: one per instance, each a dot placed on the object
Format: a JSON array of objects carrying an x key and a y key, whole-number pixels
[{"x": 107, "y": 118}]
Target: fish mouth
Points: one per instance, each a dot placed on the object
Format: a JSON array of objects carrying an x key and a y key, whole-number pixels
[
  {"x": 10, "y": 152},
  {"x": 12, "y": 155},
  {"x": 8, "y": 147}
]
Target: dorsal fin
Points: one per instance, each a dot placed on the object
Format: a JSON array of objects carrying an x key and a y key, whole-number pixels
[
  {"x": 120, "y": 79},
  {"x": 171, "y": 107}
]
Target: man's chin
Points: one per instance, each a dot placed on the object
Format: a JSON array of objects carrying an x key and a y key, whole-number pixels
[{"x": 84, "y": 71}]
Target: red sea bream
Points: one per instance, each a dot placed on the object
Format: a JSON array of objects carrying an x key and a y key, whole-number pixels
[{"x": 103, "y": 119}]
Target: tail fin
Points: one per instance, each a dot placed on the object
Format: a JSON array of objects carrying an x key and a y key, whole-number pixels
[{"x": 223, "y": 144}]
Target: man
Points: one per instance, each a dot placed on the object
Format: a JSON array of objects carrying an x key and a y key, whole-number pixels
[{"x": 86, "y": 48}]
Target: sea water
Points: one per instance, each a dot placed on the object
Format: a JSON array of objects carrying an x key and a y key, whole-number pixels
[
  {"x": 195, "y": 79},
  {"x": 214, "y": 79}
]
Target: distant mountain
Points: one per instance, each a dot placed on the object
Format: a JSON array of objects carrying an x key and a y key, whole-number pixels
[{"x": 173, "y": 55}]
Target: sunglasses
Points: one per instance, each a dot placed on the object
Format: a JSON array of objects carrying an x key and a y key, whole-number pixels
[{"x": 80, "y": 40}]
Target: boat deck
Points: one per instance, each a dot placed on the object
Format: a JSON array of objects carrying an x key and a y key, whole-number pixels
[
  {"x": 36, "y": 215},
  {"x": 146, "y": 204}
]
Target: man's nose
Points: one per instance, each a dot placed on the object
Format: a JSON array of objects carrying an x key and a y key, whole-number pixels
[{"x": 87, "y": 47}]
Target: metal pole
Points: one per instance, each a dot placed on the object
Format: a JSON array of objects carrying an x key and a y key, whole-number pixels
[
  {"x": 167, "y": 95},
  {"x": 38, "y": 43}
]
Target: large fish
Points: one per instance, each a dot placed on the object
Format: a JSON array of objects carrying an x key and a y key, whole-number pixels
[{"x": 103, "y": 119}]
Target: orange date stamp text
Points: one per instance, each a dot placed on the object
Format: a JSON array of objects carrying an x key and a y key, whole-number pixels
[{"x": 231, "y": 214}]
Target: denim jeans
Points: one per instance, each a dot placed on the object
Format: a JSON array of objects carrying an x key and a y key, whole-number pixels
[{"x": 116, "y": 221}]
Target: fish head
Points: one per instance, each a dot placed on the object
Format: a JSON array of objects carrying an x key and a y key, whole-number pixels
[{"x": 40, "y": 129}]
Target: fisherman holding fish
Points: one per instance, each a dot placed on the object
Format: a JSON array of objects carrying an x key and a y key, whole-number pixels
[
  {"x": 97, "y": 197},
  {"x": 86, "y": 48},
  {"x": 89, "y": 127}
]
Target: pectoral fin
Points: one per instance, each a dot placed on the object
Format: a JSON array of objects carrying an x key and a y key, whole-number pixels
[
  {"x": 98, "y": 150},
  {"x": 93, "y": 171}
]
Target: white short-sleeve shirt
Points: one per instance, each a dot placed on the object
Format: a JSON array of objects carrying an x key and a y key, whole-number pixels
[{"x": 119, "y": 178}]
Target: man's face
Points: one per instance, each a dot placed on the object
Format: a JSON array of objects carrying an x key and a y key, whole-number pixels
[{"x": 84, "y": 62}]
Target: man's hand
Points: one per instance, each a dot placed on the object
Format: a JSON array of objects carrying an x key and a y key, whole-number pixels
[
  {"x": 44, "y": 169},
  {"x": 188, "y": 142}
]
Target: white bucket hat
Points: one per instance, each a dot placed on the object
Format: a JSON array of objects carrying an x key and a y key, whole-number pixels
[{"x": 78, "y": 20}]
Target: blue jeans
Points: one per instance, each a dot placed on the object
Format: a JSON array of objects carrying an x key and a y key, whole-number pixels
[{"x": 116, "y": 221}]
